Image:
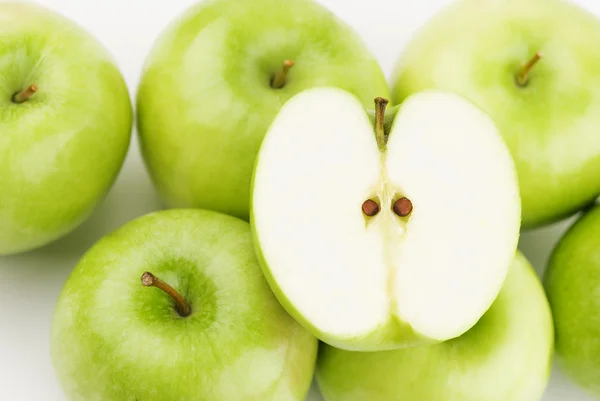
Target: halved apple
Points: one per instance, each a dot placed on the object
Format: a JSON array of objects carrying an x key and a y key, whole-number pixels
[{"x": 376, "y": 240}]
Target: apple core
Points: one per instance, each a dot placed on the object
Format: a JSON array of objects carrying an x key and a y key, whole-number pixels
[{"x": 380, "y": 279}]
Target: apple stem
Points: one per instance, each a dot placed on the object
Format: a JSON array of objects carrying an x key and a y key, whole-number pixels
[
  {"x": 380, "y": 105},
  {"x": 523, "y": 75},
  {"x": 25, "y": 94},
  {"x": 150, "y": 280},
  {"x": 280, "y": 78}
]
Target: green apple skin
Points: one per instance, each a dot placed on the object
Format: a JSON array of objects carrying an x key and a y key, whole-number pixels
[
  {"x": 505, "y": 357},
  {"x": 550, "y": 125},
  {"x": 205, "y": 100},
  {"x": 572, "y": 284},
  {"x": 61, "y": 150},
  {"x": 113, "y": 339}
]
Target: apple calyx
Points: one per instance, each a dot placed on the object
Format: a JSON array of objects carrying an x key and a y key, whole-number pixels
[
  {"x": 380, "y": 105},
  {"x": 280, "y": 79},
  {"x": 150, "y": 280},
  {"x": 522, "y": 77},
  {"x": 25, "y": 94}
]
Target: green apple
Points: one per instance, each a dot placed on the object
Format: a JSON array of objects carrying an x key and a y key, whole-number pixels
[
  {"x": 547, "y": 109},
  {"x": 505, "y": 357},
  {"x": 65, "y": 125},
  {"x": 573, "y": 284},
  {"x": 212, "y": 330},
  {"x": 377, "y": 245},
  {"x": 217, "y": 77}
]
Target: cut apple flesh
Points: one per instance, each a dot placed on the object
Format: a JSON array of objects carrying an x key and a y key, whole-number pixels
[{"x": 353, "y": 237}]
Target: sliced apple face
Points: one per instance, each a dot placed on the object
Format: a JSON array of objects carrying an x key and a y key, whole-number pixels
[{"x": 375, "y": 247}]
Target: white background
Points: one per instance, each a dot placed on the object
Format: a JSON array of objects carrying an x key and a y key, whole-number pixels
[{"x": 30, "y": 283}]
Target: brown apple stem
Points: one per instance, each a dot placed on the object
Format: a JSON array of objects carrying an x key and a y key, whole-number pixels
[
  {"x": 380, "y": 105},
  {"x": 523, "y": 75},
  {"x": 280, "y": 78},
  {"x": 150, "y": 280},
  {"x": 25, "y": 94},
  {"x": 402, "y": 207}
]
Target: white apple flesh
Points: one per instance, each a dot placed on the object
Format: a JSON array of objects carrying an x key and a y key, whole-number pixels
[{"x": 347, "y": 265}]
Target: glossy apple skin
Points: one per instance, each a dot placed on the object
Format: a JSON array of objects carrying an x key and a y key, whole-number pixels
[
  {"x": 505, "y": 357},
  {"x": 205, "y": 100},
  {"x": 61, "y": 150},
  {"x": 113, "y": 339},
  {"x": 551, "y": 125},
  {"x": 572, "y": 283}
]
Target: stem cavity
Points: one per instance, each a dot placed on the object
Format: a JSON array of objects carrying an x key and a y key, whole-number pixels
[
  {"x": 150, "y": 280},
  {"x": 522, "y": 77},
  {"x": 25, "y": 94},
  {"x": 280, "y": 79},
  {"x": 380, "y": 105}
]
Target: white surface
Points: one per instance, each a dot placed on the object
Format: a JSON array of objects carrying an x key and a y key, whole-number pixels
[{"x": 30, "y": 283}]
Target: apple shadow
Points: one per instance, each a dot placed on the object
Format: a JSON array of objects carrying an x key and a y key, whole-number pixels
[
  {"x": 132, "y": 197},
  {"x": 537, "y": 244}
]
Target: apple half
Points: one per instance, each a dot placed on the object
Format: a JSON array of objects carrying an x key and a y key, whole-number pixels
[{"x": 379, "y": 240}]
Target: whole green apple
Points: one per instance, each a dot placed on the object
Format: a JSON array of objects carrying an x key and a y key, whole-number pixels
[
  {"x": 217, "y": 77},
  {"x": 533, "y": 66},
  {"x": 390, "y": 230},
  {"x": 505, "y": 357},
  {"x": 212, "y": 330},
  {"x": 65, "y": 125},
  {"x": 572, "y": 283}
]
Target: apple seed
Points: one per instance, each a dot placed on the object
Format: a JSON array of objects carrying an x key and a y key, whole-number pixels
[
  {"x": 370, "y": 207},
  {"x": 403, "y": 207}
]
